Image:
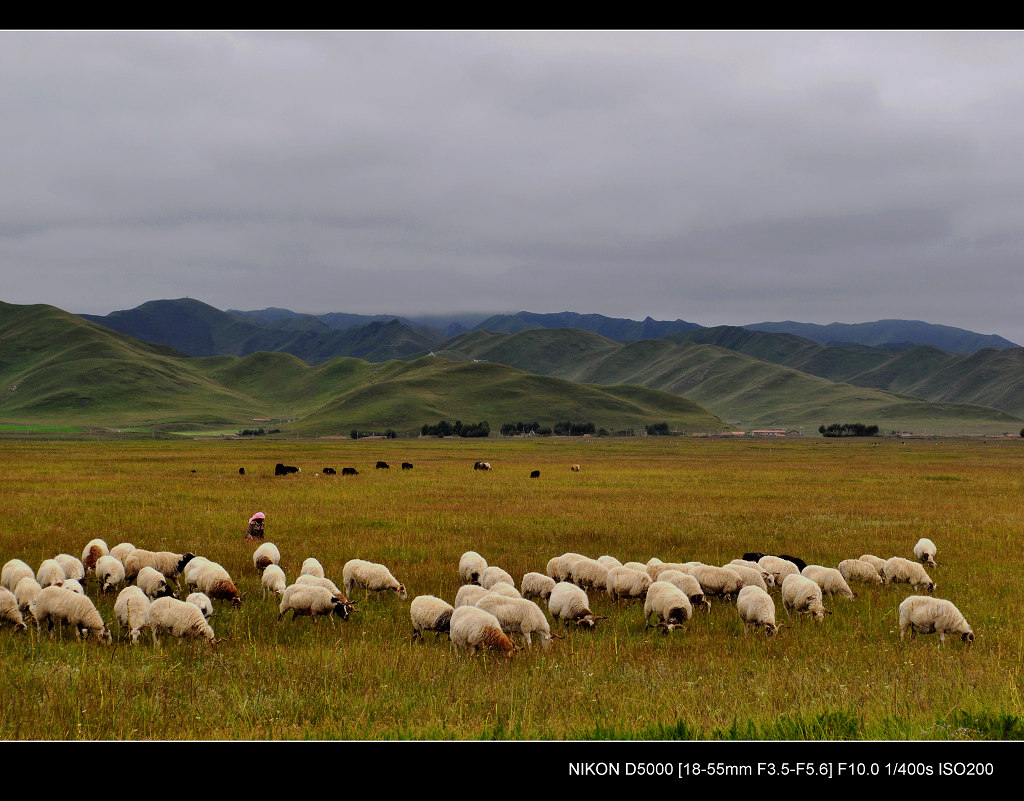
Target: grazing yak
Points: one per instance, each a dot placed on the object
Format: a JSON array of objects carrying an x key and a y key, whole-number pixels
[
  {"x": 349, "y": 471},
  {"x": 482, "y": 466},
  {"x": 284, "y": 469},
  {"x": 383, "y": 466}
]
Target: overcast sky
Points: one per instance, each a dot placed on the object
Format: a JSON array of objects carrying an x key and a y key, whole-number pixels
[{"x": 721, "y": 178}]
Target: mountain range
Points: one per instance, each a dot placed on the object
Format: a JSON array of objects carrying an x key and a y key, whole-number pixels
[{"x": 404, "y": 371}]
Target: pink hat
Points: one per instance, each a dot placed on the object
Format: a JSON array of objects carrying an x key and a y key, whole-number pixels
[{"x": 257, "y": 516}]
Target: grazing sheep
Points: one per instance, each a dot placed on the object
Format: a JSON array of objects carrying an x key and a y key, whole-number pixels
[
  {"x": 93, "y": 550},
  {"x": 536, "y": 585},
  {"x": 170, "y": 564},
  {"x": 925, "y": 550},
  {"x": 925, "y": 615},
  {"x": 274, "y": 580},
  {"x": 778, "y": 567},
  {"x": 120, "y": 551},
  {"x": 768, "y": 578},
  {"x": 50, "y": 573},
  {"x": 857, "y": 570},
  {"x": 800, "y": 563},
  {"x": 560, "y": 568},
  {"x": 331, "y": 587},
  {"x": 26, "y": 592},
  {"x": 132, "y": 610},
  {"x": 829, "y": 579},
  {"x": 72, "y": 585},
  {"x": 640, "y": 567},
  {"x": 800, "y": 594},
  {"x": 109, "y": 572},
  {"x": 687, "y": 584},
  {"x": 876, "y": 562},
  {"x": 13, "y": 572},
  {"x": 57, "y": 604},
  {"x": 668, "y": 603},
  {"x": 179, "y": 619},
  {"x": 495, "y": 575},
  {"x": 266, "y": 554},
  {"x": 518, "y": 616},
  {"x": 370, "y": 576},
  {"x": 471, "y": 628},
  {"x": 203, "y": 602},
  {"x": 469, "y": 594},
  {"x": 624, "y": 582},
  {"x": 505, "y": 590},
  {"x": 191, "y": 571},
  {"x": 750, "y": 576},
  {"x": 608, "y": 561},
  {"x": 312, "y": 567},
  {"x": 215, "y": 581},
  {"x": 589, "y": 573},
  {"x": 430, "y": 613},
  {"x": 569, "y": 602},
  {"x": 717, "y": 580},
  {"x": 9, "y": 609},
  {"x": 657, "y": 568},
  {"x": 152, "y": 582},
  {"x": 72, "y": 567},
  {"x": 898, "y": 570},
  {"x": 471, "y": 567},
  {"x": 756, "y": 608},
  {"x": 307, "y": 599}
]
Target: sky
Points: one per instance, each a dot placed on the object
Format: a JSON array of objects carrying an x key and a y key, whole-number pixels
[{"x": 715, "y": 177}]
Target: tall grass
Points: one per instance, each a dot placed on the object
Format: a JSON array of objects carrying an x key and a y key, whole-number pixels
[{"x": 851, "y": 677}]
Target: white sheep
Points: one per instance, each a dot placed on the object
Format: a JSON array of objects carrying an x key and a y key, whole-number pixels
[
  {"x": 609, "y": 561},
  {"x": 471, "y": 628},
  {"x": 72, "y": 567},
  {"x": 57, "y": 604},
  {"x": 326, "y": 583},
  {"x": 750, "y": 576},
  {"x": 778, "y": 567},
  {"x": 518, "y": 616},
  {"x": 756, "y": 608},
  {"x": 170, "y": 564},
  {"x": 923, "y": 614},
  {"x": 560, "y": 568},
  {"x": 668, "y": 603},
  {"x": 430, "y": 613},
  {"x": 179, "y": 619},
  {"x": 50, "y": 573},
  {"x": 858, "y": 570},
  {"x": 91, "y": 553},
  {"x": 875, "y": 561},
  {"x": 193, "y": 568},
  {"x": 829, "y": 579},
  {"x": 202, "y": 601},
  {"x": 309, "y": 600},
  {"x": 26, "y": 592},
  {"x": 13, "y": 572},
  {"x": 768, "y": 578},
  {"x": 715, "y": 580},
  {"x": 121, "y": 550},
  {"x": 73, "y": 585},
  {"x": 589, "y": 574},
  {"x": 9, "y": 609},
  {"x": 469, "y": 594},
  {"x": 640, "y": 567},
  {"x": 800, "y": 594},
  {"x": 370, "y": 576},
  {"x": 471, "y": 567},
  {"x": 109, "y": 572},
  {"x": 274, "y": 580},
  {"x": 898, "y": 570},
  {"x": 152, "y": 582},
  {"x": 495, "y": 575},
  {"x": 569, "y": 602},
  {"x": 132, "y": 610},
  {"x": 312, "y": 567},
  {"x": 536, "y": 585},
  {"x": 624, "y": 582},
  {"x": 506, "y": 590},
  {"x": 267, "y": 554},
  {"x": 215, "y": 581},
  {"x": 687, "y": 584},
  {"x": 655, "y": 570},
  {"x": 925, "y": 551}
]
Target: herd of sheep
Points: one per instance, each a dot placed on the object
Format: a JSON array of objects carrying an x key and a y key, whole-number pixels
[{"x": 488, "y": 610}]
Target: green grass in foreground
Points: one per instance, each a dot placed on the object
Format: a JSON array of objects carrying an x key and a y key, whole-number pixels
[{"x": 851, "y": 677}]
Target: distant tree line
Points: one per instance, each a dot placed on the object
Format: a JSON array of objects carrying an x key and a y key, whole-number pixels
[
  {"x": 388, "y": 433},
  {"x": 512, "y": 429},
  {"x": 257, "y": 432},
  {"x": 658, "y": 430},
  {"x": 848, "y": 430},
  {"x": 460, "y": 429}
]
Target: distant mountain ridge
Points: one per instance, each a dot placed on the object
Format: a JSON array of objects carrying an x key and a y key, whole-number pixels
[{"x": 888, "y": 333}]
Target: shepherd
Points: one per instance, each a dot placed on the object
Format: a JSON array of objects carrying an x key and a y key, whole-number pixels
[{"x": 255, "y": 528}]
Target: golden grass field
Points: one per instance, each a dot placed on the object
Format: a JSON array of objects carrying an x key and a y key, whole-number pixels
[{"x": 675, "y": 498}]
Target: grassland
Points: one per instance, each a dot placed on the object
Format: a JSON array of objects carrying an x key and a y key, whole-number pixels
[{"x": 850, "y": 677}]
